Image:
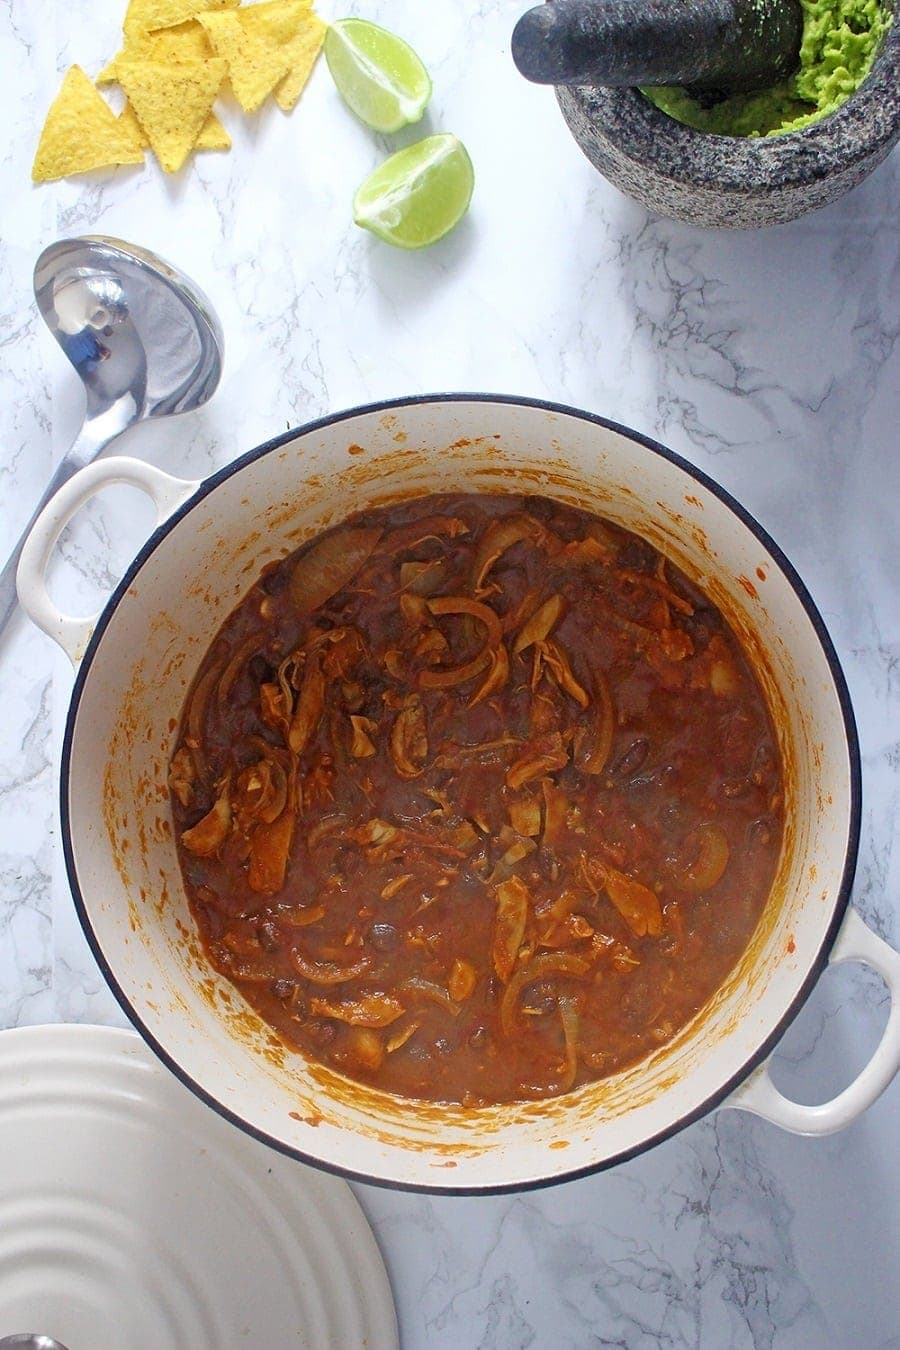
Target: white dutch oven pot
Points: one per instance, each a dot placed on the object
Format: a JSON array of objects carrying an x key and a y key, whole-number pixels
[{"x": 136, "y": 661}]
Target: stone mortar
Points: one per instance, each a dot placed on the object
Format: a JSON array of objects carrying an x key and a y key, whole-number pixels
[{"x": 737, "y": 181}]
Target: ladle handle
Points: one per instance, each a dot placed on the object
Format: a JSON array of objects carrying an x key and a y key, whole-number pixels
[
  {"x": 95, "y": 435},
  {"x": 167, "y": 493},
  {"x": 63, "y": 472},
  {"x": 855, "y": 942}
]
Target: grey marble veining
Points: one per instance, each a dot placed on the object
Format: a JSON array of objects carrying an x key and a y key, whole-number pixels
[{"x": 769, "y": 359}]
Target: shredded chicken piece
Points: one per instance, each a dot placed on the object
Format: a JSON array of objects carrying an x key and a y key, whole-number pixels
[
  {"x": 275, "y": 708},
  {"x": 525, "y": 816},
  {"x": 414, "y": 609},
  {"x": 541, "y": 623},
  {"x": 645, "y": 581},
  {"x": 362, "y": 730},
  {"x": 344, "y": 649},
  {"x": 310, "y": 705},
  {"x": 369, "y": 1010},
  {"x": 431, "y": 646},
  {"x": 637, "y": 904},
  {"x": 462, "y": 980},
  {"x": 544, "y": 755},
  {"x": 260, "y": 793},
  {"x": 409, "y": 738},
  {"x": 588, "y": 550},
  {"x": 557, "y": 663},
  {"x": 270, "y": 847},
  {"x": 209, "y": 834},
  {"x": 676, "y": 644},
  {"x": 401, "y": 1037},
  {"x": 499, "y": 536},
  {"x": 514, "y": 854},
  {"x": 513, "y": 899},
  {"x": 182, "y": 776},
  {"x": 384, "y": 842},
  {"x": 395, "y": 886},
  {"x": 556, "y": 805},
  {"x": 406, "y": 537}
]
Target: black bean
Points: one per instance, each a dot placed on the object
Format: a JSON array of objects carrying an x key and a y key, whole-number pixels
[
  {"x": 269, "y": 936},
  {"x": 760, "y": 832},
  {"x": 323, "y": 1033},
  {"x": 384, "y": 937},
  {"x": 632, "y": 759}
]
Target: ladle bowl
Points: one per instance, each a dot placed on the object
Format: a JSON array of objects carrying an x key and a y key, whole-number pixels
[{"x": 142, "y": 337}]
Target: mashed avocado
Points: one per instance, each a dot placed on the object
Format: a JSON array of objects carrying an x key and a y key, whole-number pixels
[{"x": 840, "y": 39}]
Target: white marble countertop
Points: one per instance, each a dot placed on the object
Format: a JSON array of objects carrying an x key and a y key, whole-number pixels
[{"x": 771, "y": 359}]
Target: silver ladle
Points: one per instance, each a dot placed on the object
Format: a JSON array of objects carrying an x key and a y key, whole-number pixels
[
  {"x": 143, "y": 338},
  {"x": 27, "y": 1340}
]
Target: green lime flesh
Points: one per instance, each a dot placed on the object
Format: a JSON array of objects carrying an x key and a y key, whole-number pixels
[
  {"x": 377, "y": 74},
  {"x": 418, "y": 195}
]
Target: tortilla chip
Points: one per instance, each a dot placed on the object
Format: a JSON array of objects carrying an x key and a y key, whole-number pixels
[
  {"x": 299, "y": 33},
  {"x": 82, "y": 133},
  {"x": 172, "y": 103},
  {"x": 212, "y": 135},
  {"x": 142, "y": 16},
  {"x": 128, "y": 119},
  {"x": 184, "y": 42},
  {"x": 275, "y": 21},
  {"x": 254, "y": 67},
  {"x": 302, "y": 51}
]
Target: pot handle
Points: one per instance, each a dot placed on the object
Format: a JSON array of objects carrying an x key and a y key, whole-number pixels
[
  {"x": 855, "y": 942},
  {"x": 167, "y": 492}
]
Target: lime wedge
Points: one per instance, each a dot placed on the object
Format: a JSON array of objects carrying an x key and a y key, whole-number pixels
[
  {"x": 378, "y": 75},
  {"x": 419, "y": 194}
]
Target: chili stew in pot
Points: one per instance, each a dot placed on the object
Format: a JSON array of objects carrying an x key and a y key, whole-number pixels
[{"x": 478, "y": 798}]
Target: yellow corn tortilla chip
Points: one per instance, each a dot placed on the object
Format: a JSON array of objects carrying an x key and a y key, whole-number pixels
[
  {"x": 185, "y": 42},
  {"x": 211, "y": 136},
  {"x": 254, "y": 68},
  {"x": 275, "y": 21},
  {"x": 82, "y": 133},
  {"x": 172, "y": 103},
  {"x": 128, "y": 119},
  {"x": 302, "y": 51},
  {"x": 291, "y": 26},
  {"x": 142, "y": 16}
]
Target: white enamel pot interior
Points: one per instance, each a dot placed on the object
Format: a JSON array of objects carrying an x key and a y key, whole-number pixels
[{"x": 136, "y": 662}]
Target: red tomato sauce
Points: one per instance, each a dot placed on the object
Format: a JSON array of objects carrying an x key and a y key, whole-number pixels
[{"x": 478, "y": 798}]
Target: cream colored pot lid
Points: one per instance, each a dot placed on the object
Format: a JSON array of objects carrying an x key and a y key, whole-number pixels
[{"x": 131, "y": 1214}]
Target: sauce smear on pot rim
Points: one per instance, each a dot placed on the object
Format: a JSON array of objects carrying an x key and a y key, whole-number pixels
[{"x": 477, "y": 797}]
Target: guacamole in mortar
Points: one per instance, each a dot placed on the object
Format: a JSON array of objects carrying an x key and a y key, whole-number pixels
[{"x": 840, "y": 39}]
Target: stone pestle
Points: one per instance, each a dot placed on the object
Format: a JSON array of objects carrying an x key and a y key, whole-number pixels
[{"x": 733, "y": 45}]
